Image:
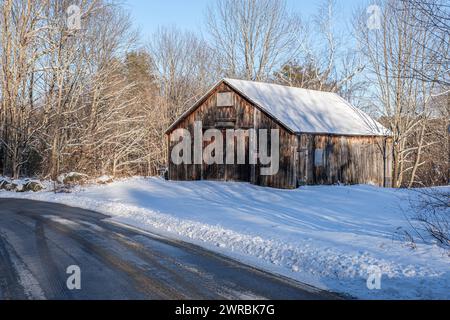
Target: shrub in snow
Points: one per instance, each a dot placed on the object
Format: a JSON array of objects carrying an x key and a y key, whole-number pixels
[
  {"x": 431, "y": 216},
  {"x": 164, "y": 173}
]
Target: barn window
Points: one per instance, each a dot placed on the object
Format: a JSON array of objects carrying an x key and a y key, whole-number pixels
[
  {"x": 318, "y": 158},
  {"x": 225, "y": 99}
]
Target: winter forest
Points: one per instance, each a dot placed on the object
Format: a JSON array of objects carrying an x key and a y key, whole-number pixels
[{"x": 82, "y": 91}]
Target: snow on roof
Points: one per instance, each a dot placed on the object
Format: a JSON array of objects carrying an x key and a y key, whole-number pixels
[{"x": 309, "y": 111}]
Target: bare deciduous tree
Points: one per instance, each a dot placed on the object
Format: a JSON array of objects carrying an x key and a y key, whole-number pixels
[
  {"x": 19, "y": 27},
  {"x": 404, "y": 100},
  {"x": 434, "y": 15},
  {"x": 65, "y": 98},
  {"x": 253, "y": 37},
  {"x": 325, "y": 60},
  {"x": 183, "y": 64}
]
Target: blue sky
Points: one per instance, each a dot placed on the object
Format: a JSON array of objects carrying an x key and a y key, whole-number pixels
[{"x": 189, "y": 14}]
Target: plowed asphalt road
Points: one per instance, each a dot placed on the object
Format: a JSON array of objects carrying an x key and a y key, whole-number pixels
[{"x": 39, "y": 241}]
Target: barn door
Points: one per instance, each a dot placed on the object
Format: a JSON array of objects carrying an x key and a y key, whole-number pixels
[
  {"x": 228, "y": 172},
  {"x": 215, "y": 171},
  {"x": 236, "y": 171}
]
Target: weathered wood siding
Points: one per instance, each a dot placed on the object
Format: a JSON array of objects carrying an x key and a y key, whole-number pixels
[
  {"x": 242, "y": 116},
  {"x": 286, "y": 178},
  {"x": 344, "y": 159}
]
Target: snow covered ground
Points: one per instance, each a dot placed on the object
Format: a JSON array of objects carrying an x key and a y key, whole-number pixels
[{"x": 332, "y": 237}]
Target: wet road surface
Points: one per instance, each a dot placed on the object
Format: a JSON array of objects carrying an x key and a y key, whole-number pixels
[{"x": 39, "y": 241}]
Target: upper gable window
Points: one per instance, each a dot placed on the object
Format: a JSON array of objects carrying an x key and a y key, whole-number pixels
[{"x": 225, "y": 99}]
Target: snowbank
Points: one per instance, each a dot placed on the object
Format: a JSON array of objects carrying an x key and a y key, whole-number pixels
[{"x": 332, "y": 237}]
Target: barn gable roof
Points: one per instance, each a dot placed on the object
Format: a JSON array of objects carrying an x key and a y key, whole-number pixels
[{"x": 302, "y": 110}]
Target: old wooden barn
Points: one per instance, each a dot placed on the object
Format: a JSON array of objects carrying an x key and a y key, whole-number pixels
[{"x": 323, "y": 138}]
